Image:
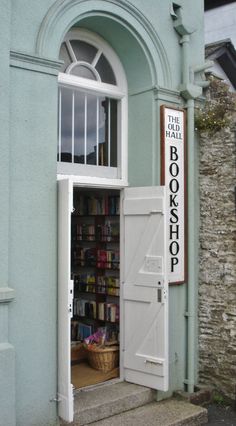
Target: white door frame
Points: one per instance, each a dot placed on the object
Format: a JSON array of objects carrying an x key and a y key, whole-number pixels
[
  {"x": 65, "y": 392},
  {"x": 65, "y": 298}
]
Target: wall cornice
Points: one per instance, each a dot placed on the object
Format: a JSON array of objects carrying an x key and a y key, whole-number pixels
[
  {"x": 34, "y": 63},
  {"x": 160, "y": 93},
  {"x": 168, "y": 95}
]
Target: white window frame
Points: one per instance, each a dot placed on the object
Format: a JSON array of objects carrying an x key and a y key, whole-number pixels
[{"x": 89, "y": 174}]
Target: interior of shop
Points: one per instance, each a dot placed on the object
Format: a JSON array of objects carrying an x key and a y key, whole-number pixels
[{"x": 95, "y": 269}]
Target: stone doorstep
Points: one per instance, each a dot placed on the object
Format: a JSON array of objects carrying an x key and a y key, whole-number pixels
[
  {"x": 125, "y": 404},
  {"x": 109, "y": 400},
  {"x": 171, "y": 412}
]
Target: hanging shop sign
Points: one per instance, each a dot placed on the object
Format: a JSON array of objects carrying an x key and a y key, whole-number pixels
[{"x": 173, "y": 161}]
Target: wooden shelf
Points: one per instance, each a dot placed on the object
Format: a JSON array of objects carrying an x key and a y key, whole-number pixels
[
  {"x": 98, "y": 293},
  {"x": 78, "y": 317},
  {"x": 90, "y": 265},
  {"x": 95, "y": 243},
  {"x": 94, "y": 215},
  {"x": 97, "y": 240}
]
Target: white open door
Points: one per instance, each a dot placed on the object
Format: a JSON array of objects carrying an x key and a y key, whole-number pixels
[
  {"x": 65, "y": 299},
  {"x": 145, "y": 287}
]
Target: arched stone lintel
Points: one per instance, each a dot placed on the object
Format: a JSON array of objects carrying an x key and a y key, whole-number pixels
[{"x": 65, "y": 13}]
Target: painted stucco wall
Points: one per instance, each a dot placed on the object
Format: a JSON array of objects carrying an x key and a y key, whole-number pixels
[
  {"x": 156, "y": 13},
  {"x": 7, "y": 353},
  {"x": 142, "y": 34},
  {"x": 32, "y": 251}
]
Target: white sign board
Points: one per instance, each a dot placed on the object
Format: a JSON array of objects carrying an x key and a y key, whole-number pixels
[{"x": 173, "y": 176}]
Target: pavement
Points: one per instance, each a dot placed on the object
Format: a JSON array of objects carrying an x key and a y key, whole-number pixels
[{"x": 221, "y": 416}]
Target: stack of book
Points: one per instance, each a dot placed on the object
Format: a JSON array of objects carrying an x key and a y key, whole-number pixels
[
  {"x": 108, "y": 285},
  {"x": 105, "y": 205},
  {"x": 86, "y": 282},
  {"x": 84, "y": 308},
  {"x": 85, "y": 232},
  {"x": 112, "y": 312},
  {"x": 108, "y": 259},
  {"x": 80, "y": 330},
  {"x": 108, "y": 232},
  {"x": 108, "y": 312},
  {"x": 84, "y": 256}
]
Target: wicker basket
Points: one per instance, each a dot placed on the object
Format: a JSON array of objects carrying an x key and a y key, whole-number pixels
[{"x": 104, "y": 359}]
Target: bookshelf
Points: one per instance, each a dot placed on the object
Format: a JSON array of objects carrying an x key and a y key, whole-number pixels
[{"x": 95, "y": 263}]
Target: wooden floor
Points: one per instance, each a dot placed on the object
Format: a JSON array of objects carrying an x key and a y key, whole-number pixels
[{"x": 83, "y": 375}]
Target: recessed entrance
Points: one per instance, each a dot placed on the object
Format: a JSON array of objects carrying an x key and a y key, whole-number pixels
[
  {"x": 95, "y": 271},
  {"x": 93, "y": 307}
]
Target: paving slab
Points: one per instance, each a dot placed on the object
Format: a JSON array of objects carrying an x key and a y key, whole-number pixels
[
  {"x": 171, "y": 412},
  {"x": 221, "y": 415}
]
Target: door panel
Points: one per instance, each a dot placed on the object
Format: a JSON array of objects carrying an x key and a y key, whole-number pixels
[
  {"x": 145, "y": 287},
  {"x": 65, "y": 299}
]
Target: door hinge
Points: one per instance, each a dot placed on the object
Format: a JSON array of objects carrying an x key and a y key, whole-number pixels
[{"x": 55, "y": 399}]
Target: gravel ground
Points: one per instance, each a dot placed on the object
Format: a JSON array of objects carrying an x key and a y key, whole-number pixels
[{"x": 221, "y": 416}]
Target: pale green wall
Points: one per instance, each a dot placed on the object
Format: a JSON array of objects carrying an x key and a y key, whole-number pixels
[
  {"x": 7, "y": 353},
  {"x": 140, "y": 140},
  {"x": 32, "y": 205},
  {"x": 156, "y": 12},
  {"x": 177, "y": 336},
  {"x": 4, "y": 132},
  {"x": 32, "y": 257}
]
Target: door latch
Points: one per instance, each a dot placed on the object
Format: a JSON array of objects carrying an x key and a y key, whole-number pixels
[
  {"x": 159, "y": 295},
  {"x": 70, "y": 297}
]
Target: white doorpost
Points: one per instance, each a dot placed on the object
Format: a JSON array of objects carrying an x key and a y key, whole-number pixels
[{"x": 65, "y": 300}]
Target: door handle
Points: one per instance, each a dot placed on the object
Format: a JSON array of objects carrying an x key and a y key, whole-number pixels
[{"x": 153, "y": 361}]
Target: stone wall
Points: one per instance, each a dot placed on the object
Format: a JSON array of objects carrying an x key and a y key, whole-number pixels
[{"x": 217, "y": 262}]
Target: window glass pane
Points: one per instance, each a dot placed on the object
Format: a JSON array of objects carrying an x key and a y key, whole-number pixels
[
  {"x": 64, "y": 56},
  {"x": 83, "y": 51},
  {"x": 66, "y": 124},
  {"x": 103, "y": 131},
  {"x": 91, "y": 129},
  {"x": 83, "y": 71},
  {"x": 107, "y": 132},
  {"x": 79, "y": 127},
  {"x": 113, "y": 133},
  {"x": 95, "y": 124},
  {"x": 105, "y": 71}
]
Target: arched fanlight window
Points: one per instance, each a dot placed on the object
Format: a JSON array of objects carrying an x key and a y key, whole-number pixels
[
  {"x": 85, "y": 60},
  {"x": 92, "y": 95}
]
